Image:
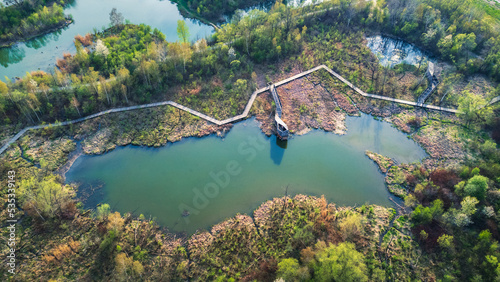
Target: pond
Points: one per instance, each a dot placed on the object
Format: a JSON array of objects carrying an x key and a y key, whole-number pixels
[
  {"x": 214, "y": 178},
  {"x": 392, "y": 52},
  {"x": 42, "y": 52}
]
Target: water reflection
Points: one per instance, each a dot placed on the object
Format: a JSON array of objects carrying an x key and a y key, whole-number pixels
[
  {"x": 91, "y": 192},
  {"x": 263, "y": 6},
  {"x": 16, "y": 53},
  {"x": 41, "y": 41},
  {"x": 278, "y": 148},
  {"x": 11, "y": 55}
]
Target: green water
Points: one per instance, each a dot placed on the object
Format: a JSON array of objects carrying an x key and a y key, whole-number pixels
[
  {"x": 42, "y": 52},
  {"x": 215, "y": 178}
]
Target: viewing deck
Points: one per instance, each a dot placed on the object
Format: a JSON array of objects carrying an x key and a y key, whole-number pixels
[{"x": 281, "y": 127}]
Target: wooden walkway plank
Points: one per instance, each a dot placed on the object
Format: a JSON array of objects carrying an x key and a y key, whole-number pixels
[
  {"x": 240, "y": 116},
  {"x": 388, "y": 98}
]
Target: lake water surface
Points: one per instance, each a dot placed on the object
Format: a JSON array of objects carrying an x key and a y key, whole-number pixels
[
  {"x": 214, "y": 178},
  {"x": 42, "y": 52}
]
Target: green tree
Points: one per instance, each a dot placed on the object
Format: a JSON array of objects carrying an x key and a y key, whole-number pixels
[
  {"x": 469, "y": 45},
  {"x": 3, "y": 104},
  {"x": 340, "y": 263},
  {"x": 303, "y": 237},
  {"x": 46, "y": 197},
  {"x": 445, "y": 44},
  {"x": 445, "y": 241},
  {"x": 473, "y": 109},
  {"x": 457, "y": 217},
  {"x": 352, "y": 226},
  {"x": 476, "y": 187},
  {"x": 182, "y": 31},
  {"x": 488, "y": 148},
  {"x": 240, "y": 86},
  {"x": 103, "y": 211},
  {"x": 290, "y": 270},
  {"x": 463, "y": 44},
  {"x": 411, "y": 201},
  {"x": 462, "y": 217},
  {"x": 469, "y": 205},
  {"x": 424, "y": 215},
  {"x": 186, "y": 53},
  {"x": 3, "y": 88}
]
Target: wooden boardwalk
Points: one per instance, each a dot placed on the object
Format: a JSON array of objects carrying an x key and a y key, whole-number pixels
[
  {"x": 281, "y": 127},
  {"x": 433, "y": 83},
  {"x": 240, "y": 116},
  {"x": 379, "y": 97}
]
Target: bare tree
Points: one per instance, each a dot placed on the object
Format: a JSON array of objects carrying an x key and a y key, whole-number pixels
[
  {"x": 124, "y": 92},
  {"x": 76, "y": 104},
  {"x": 103, "y": 83},
  {"x": 115, "y": 17}
]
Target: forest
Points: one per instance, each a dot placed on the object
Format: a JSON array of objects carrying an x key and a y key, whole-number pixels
[
  {"x": 450, "y": 231},
  {"x": 216, "y": 10},
  {"x": 25, "y": 19}
]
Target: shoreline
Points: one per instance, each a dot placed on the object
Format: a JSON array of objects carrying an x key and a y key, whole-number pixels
[
  {"x": 395, "y": 200},
  {"x": 72, "y": 157}
]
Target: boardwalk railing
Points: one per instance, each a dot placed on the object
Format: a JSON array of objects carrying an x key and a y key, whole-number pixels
[
  {"x": 433, "y": 83},
  {"x": 281, "y": 126},
  {"x": 245, "y": 112},
  {"x": 277, "y": 100}
]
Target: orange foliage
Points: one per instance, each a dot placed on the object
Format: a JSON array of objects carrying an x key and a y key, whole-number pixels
[
  {"x": 325, "y": 224},
  {"x": 307, "y": 255},
  {"x": 85, "y": 40},
  {"x": 61, "y": 64},
  {"x": 60, "y": 252},
  {"x": 38, "y": 73},
  {"x": 64, "y": 64}
]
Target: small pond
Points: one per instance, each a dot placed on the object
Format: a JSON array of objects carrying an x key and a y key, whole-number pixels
[{"x": 392, "y": 52}]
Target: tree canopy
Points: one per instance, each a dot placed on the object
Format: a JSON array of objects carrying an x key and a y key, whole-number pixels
[{"x": 340, "y": 262}]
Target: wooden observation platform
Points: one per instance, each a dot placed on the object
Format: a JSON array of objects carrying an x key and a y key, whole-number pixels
[{"x": 281, "y": 127}]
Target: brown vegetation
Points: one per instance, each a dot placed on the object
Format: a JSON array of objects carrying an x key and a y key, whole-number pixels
[
  {"x": 84, "y": 40},
  {"x": 305, "y": 105}
]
